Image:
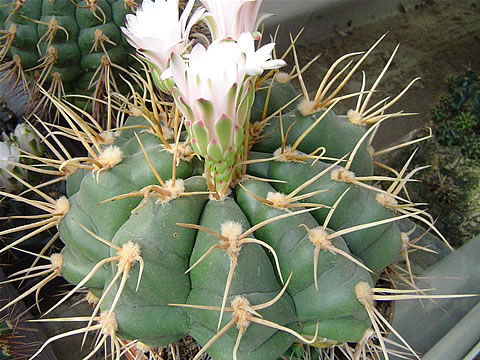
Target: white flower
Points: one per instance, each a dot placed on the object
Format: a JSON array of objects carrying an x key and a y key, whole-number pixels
[
  {"x": 214, "y": 90},
  {"x": 231, "y": 18},
  {"x": 219, "y": 76},
  {"x": 257, "y": 60},
  {"x": 8, "y": 153},
  {"x": 211, "y": 84},
  {"x": 156, "y": 32},
  {"x": 214, "y": 93}
]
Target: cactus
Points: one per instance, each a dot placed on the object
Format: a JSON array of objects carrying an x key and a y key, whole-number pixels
[
  {"x": 65, "y": 46},
  {"x": 457, "y": 117},
  {"x": 281, "y": 240}
]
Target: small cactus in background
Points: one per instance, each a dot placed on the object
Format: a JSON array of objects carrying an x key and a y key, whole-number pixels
[
  {"x": 234, "y": 214},
  {"x": 17, "y": 156},
  {"x": 65, "y": 46},
  {"x": 457, "y": 117}
]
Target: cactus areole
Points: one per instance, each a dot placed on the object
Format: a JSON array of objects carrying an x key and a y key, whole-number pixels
[{"x": 248, "y": 220}]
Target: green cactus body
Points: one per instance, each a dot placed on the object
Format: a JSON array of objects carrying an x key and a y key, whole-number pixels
[
  {"x": 279, "y": 96},
  {"x": 335, "y": 274},
  {"x": 248, "y": 272},
  {"x": 258, "y": 283},
  {"x": 84, "y": 204},
  {"x": 166, "y": 250},
  {"x": 172, "y": 235},
  {"x": 358, "y": 206},
  {"x": 86, "y": 194},
  {"x": 235, "y": 214},
  {"x": 75, "y": 267}
]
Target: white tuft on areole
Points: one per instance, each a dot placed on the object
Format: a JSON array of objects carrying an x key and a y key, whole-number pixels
[
  {"x": 108, "y": 137},
  {"x": 306, "y": 107},
  {"x": 241, "y": 306},
  {"x": 386, "y": 200},
  {"x": 355, "y": 117},
  {"x": 340, "y": 174},
  {"x": 286, "y": 154},
  {"x": 62, "y": 205},
  {"x": 363, "y": 292},
  {"x": 319, "y": 237},
  {"x": 111, "y": 156},
  {"x": 282, "y": 77},
  {"x": 91, "y": 298},
  {"x": 175, "y": 190},
  {"x": 167, "y": 132},
  {"x": 129, "y": 254},
  {"x": 277, "y": 199},
  {"x": 56, "y": 260},
  {"x": 231, "y": 229},
  {"x": 109, "y": 323}
]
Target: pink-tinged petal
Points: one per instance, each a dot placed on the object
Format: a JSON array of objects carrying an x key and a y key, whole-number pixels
[
  {"x": 265, "y": 50},
  {"x": 260, "y": 18},
  {"x": 212, "y": 25},
  {"x": 182, "y": 105},
  {"x": 246, "y": 43},
  {"x": 207, "y": 113},
  {"x": 164, "y": 82},
  {"x": 196, "y": 17},
  {"x": 214, "y": 89},
  {"x": 167, "y": 73},
  {"x": 230, "y": 18},
  {"x": 196, "y": 148}
]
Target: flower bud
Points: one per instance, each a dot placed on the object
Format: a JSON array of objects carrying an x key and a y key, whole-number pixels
[{"x": 27, "y": 139}]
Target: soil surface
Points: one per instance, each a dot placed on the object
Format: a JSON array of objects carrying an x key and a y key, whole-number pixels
[{"x": 439, "y": 39}]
